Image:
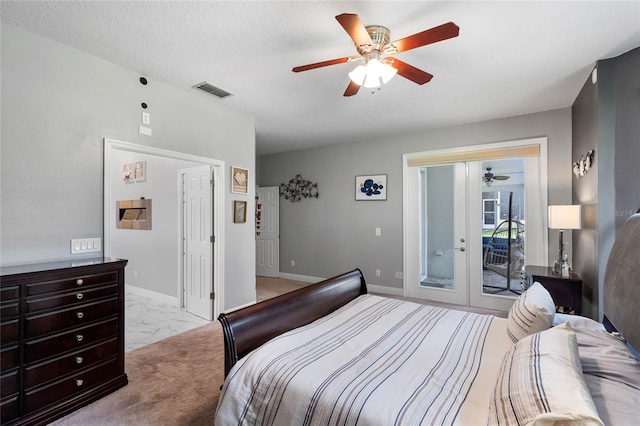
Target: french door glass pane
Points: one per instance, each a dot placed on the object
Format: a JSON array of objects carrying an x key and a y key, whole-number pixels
[
  {"x": 437, "y": 227},
  {"x": 503, "y": 255}
]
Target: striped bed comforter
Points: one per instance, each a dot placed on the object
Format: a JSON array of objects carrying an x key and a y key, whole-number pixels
[{"x": 375, "y": 361}]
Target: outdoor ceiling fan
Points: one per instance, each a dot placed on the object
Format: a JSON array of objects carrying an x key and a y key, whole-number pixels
[
  {"x": 372, "y": 44},
  {"x": 489, "y": 177}
]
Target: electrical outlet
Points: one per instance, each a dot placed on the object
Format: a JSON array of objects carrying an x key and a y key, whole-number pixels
[
  {"x": 399, "y": 275},
  {"x": 293, "y": 263},
  {"x": 377, "y": 272},
  {"x": 378, "y": 232}
]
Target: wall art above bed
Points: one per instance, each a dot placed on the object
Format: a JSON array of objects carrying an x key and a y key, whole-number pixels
[{"x": 371, "y": 187}]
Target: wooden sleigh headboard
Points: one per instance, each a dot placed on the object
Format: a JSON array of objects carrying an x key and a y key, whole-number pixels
[{"x": 248, "y": 328}]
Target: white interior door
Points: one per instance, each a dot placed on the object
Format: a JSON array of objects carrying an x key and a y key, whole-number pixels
[
  {"x": 268, "y": 232},
  {"x": 198, "y": 241}
]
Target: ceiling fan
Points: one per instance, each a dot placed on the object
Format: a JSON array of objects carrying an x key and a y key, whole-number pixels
[
  {"x": 372, "y": 44},
  {"x": 489, "y": 177}
]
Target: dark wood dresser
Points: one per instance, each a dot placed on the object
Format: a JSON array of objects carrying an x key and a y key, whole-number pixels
[{"x": 62, "y": 344}]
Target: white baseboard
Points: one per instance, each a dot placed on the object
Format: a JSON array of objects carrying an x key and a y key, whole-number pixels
[
  {"x": 153, "y": 295},
  {"x": 394, "y": 291},
  {"x": 303, "y": 278}
]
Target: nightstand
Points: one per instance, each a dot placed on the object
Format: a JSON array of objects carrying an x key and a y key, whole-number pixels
[{"x": 566, "y": 292}]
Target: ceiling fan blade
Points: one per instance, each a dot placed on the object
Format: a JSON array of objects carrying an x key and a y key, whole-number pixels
[
  {"x": 325, "y": 63},
  {"x": 354, "y": 27},
  {"x": 433, "y": 35},
  {"x": 352, "y": 89},
  {"x": 410, "y": 72},
  {"x": 500, "y": 177}
]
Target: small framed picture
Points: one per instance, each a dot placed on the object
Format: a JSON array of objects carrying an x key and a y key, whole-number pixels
[
  {"x": 127, "y": 173},
  {"x": 139, "y": 172},
  {"x": 239, "y": 180},
  {"x": 371, "y": 188},
  {"x": 239, "y": 211}
]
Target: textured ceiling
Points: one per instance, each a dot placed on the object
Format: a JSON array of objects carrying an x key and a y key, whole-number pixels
[{"x": 511, "y": 58}]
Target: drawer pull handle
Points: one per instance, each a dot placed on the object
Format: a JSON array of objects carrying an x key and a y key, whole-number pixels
[
  {"x": 79, "y": 337},
  {"x": 79, "y": 382},
  {"x": 79, "y": 281},
  {"x": 79, "y": 296},
  {"x": 79, "y": 360},
  {"x": 80, "y": 315}
]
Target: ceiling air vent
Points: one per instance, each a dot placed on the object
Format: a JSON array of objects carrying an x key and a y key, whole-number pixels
[{"x": 210, "y": 88}]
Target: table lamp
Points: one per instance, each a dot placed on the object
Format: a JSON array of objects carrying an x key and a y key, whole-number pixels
[{"x": 564, "y": 217}]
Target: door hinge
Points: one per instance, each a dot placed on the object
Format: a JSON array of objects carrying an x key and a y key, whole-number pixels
[
  {"x": 212, "y": 296},
  {"x": 212, "y": 183},
  {"x": 212, "y": 239}
]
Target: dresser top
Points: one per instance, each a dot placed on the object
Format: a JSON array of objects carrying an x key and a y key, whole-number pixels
[{"x": 62, "y": 264}]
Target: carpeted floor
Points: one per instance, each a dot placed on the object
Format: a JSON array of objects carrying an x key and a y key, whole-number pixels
[{"x": 176, "y": 381}]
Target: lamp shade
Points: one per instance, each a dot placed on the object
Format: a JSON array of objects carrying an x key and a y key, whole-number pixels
[{"x": 565, "y": 217}]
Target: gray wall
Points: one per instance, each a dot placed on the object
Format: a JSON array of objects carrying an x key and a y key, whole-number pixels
[
  {"x": 335, "y": 233},
  {"x": 605, "y": 118},
  {"x": 57, "y": 106}
]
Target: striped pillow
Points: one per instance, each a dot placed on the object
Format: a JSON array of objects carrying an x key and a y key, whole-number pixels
[
  {"x": 533, "y": 311},
  {"x": 540, "y": 383}
]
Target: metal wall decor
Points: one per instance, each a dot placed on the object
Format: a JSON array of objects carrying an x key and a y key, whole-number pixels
[
  {"x": 298, "y": 188},
  {"x": 581, "y": 167}
]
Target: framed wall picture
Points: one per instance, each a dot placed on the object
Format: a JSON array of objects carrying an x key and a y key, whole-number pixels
[
  {"x": 239, "y": 180},
  {"x": 239, "y": 211},
  {"x": 371, "y": 188},
  {"x": 127, "y": 173},
  {"x": 140, "y": 171}
]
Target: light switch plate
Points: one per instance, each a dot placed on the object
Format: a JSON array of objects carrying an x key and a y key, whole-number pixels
[{"x": 86, "y": 245}]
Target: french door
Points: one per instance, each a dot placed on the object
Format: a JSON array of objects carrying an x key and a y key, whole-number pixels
[{"x": 451, "y": 211}]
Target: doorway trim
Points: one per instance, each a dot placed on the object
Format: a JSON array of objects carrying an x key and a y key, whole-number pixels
[
  {"x": 218, "y": 166},
  {"x": 475, "y": 152}
]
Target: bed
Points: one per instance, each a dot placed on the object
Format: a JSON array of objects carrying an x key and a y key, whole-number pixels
[{"x": 331, "y": 353}]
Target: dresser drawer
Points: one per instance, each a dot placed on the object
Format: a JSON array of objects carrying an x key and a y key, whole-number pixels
[
  {"x": 79, "y": 296},
  {"x": 75, "y": 383},
  {"x": 9, "y": 383},
  {"x": 79, "y": 338},
  {"x": 77, "y": 282},
  {"x": 75, "y": 361},
  {"x": 9, "y": 357},
  {"x": 9, "y": 310},
  {"x": 9, "y": 409},
  {"x": 70, "y": 317},
  {"x": 9, "y": 332},
  {"x": 9, "y": 294}
]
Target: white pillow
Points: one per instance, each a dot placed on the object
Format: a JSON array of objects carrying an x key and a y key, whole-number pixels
[
  {"x": 541, "y": 383},
  {"x": 533, "y": 311}
]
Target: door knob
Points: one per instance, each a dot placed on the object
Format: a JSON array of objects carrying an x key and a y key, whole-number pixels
[{"x": 461, "y": 248}]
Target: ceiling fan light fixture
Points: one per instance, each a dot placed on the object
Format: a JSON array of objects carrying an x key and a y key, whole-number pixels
[
  {"x": 358, "y": 75},
  {"x": 373, "y": 73}
]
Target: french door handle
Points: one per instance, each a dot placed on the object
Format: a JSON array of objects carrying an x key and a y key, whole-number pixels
[{"x": 461, "y": 248}]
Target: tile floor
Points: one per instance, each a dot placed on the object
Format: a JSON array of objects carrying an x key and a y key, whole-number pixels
[{"x": 147, "y": 321}]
